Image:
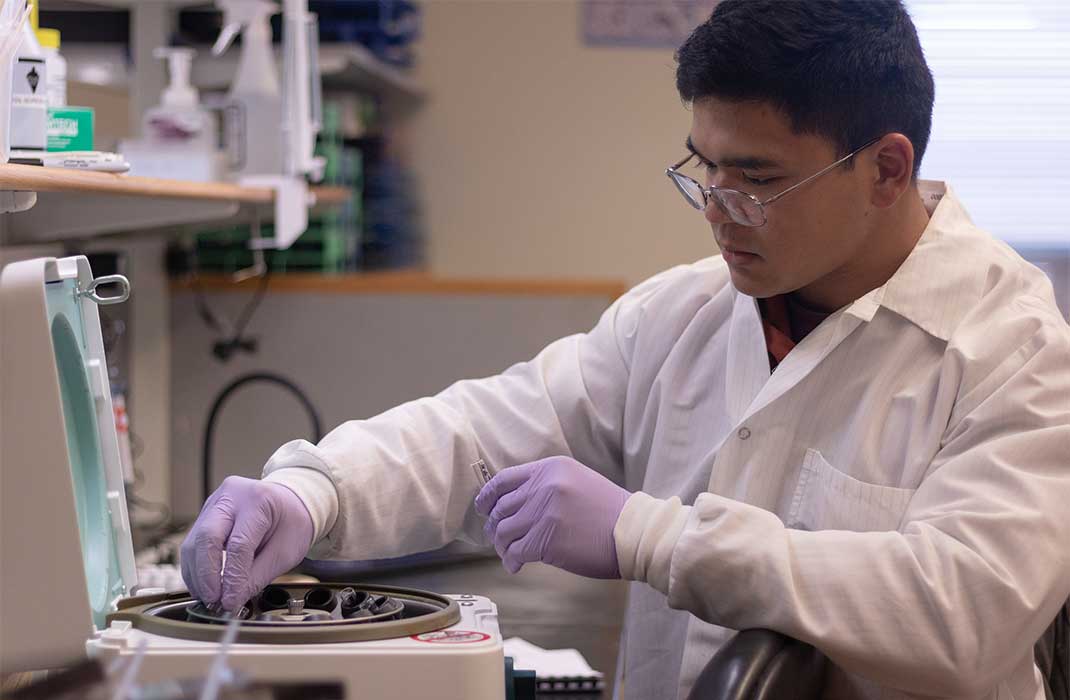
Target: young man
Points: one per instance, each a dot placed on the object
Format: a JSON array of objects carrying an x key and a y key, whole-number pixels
[{"x": 852, "y": 427}]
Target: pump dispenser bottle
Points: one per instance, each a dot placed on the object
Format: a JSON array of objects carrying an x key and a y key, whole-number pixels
[
  {"x": 179, "y": 119},
  {"x": 179, "y": 136},
  {"x": 254, "y": 99}
]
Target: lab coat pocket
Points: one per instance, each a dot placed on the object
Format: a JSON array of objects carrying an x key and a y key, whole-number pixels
[{"x": 827, "y": 499}]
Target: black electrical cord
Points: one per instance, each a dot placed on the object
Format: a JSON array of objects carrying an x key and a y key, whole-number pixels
[
  {"x": 164, "y": 520},
  {"x": 223, "y": 349},
  {"x": 217, "y": 405},
  {"x": 247, "y": 313},
  {"x": 234, "y": 339}
]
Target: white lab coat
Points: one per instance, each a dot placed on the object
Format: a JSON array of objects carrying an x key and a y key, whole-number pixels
[{"x": 895, "y": 493}]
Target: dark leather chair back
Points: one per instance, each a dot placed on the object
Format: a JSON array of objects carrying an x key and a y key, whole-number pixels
[
  {"x": 1052, "y": 652},
  {"x": 762, "y": 665}
]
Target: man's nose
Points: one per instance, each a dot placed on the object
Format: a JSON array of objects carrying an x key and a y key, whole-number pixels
[{"x": 715, "y": 212}]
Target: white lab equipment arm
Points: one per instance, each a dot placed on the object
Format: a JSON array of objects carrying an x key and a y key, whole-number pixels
[
  {"x": 949, "y": 603},
  {"x": 405, "y": 481}
]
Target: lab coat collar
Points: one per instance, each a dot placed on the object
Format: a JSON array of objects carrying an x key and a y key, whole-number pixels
[
  {"x": 935, "y": 286},
  {"x": 928, "y": 288},
  {"x": 748, "y": 369},
  {"x": 750, "y": 386}
]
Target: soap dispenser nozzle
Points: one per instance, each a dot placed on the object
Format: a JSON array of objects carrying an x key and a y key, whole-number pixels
[
  {"x": 180, "y": 91},
  {"x": 239, "y": 15}
]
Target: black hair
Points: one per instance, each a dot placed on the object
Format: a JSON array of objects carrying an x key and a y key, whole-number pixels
[{"x": 846, "y": 70}]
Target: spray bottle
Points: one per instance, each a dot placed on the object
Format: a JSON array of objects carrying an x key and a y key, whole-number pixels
[{"x": 254, "y": 94}]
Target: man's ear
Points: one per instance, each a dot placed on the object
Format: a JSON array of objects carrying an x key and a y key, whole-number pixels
[{"x": 893, "y": 169}]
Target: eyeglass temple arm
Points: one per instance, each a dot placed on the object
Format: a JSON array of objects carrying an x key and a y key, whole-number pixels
[
  {"x": 673, "y": 168},
  {"x": 819, "y": 173}
]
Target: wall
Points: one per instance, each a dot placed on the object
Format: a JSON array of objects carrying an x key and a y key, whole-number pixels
[
  {"x": 539, "y": 156},
  {"x": 112, "y": 112},
  {"x": 354, "y": 355}
]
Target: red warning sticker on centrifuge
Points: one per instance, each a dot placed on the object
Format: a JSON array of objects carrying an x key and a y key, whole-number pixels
[{"x": 451, "y": 637}]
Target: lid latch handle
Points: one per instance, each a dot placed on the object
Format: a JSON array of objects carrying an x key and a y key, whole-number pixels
[{"x": 91, "y": 291}]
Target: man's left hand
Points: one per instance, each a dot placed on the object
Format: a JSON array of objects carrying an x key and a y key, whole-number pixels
[{"x": 556, "y": 511}]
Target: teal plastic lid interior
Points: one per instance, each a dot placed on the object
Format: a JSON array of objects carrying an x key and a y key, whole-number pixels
[{"x": 88, "y": 469}]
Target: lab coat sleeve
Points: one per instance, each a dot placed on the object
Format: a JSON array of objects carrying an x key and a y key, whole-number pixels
[
  {"x": 946, "y": 605},
  {"x": 405, "y": 481},
  {"x": 315, "y": 490}
]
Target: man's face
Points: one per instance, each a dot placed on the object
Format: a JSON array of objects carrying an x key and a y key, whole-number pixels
[{"x": 813, "y": 233}]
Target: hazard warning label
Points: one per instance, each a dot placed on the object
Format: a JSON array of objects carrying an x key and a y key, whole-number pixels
[{"x": 451, "y": 637}]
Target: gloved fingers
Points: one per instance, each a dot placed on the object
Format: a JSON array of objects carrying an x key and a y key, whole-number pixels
[
  {"x": 188, "y": 576},
  {"x": 506, "y": 506},
  {"x": 515, "y": 527},
  {"x": 529, "y": 548},
  {"x": 185, "y": 559},
  {"x": 251, "y": 528},
  {"x": 503, "y": 482},
  {"x": 269, "y": 563},
  {"x": 202, "y": 553}
]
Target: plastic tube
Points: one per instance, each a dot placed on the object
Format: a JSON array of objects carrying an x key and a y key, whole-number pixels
[{"x": 218, "y": 675}]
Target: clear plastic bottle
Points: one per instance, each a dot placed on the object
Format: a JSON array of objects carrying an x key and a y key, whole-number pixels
[
  {"x": 29, "y": 103},
  {"x": 56, "y": 66}
]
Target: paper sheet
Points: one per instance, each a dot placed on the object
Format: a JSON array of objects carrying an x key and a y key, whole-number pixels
[{"x": 548, "y": 663}]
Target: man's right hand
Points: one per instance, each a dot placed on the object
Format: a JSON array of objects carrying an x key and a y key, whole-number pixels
[{"x": 264, "y": 528}]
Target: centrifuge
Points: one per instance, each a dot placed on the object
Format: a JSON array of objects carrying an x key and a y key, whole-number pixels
[{"x": 68, "y": 566}]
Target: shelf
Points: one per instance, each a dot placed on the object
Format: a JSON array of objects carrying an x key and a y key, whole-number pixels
[
  {"x": 406, "y": 282},
  {"x": 32, "y": 178},
  {"x": 354, "y": 67},
  {"x": 128, "y": 4},
  {"x": 77, "y": 203},
  {"x": 331, "y": 195},
  {"x": 343, "y": 67}
]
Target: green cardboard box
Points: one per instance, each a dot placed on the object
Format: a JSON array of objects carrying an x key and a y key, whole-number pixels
[{"x": 70, "y": 129}]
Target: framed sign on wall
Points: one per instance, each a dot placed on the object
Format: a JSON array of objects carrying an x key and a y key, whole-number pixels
[{"x": 642, "y": 23}]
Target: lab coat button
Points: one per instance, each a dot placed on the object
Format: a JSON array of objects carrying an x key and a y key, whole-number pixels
[{"x": 743, "y": 433}]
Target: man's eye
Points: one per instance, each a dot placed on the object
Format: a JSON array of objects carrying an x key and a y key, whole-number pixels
[
  {"x": 707, "y": 166},
  {"x": 759, "y": 181}
]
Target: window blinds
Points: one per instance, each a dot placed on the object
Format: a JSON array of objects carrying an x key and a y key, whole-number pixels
[{"x": 1001, "y": 122}]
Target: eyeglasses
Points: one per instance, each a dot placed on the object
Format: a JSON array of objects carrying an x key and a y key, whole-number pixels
[{"x": 744, "y": 209}]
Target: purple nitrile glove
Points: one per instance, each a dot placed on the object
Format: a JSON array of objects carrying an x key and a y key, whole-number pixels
[
  {"x": 556, "y": 511},
  {"x": 264, "y": 528}
]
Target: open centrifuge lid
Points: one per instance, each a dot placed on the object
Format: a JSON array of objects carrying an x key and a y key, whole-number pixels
[{"x": 64, "y": 532}]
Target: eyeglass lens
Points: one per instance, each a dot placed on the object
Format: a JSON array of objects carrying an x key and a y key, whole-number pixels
[
  {"x": 691, "y": 191},
  {"x": 739, "y": 207}
]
